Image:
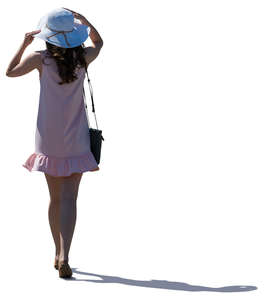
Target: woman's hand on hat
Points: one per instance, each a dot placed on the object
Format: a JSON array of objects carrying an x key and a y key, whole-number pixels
[
  {"x": 78, "y": 16},
  {"x": 28, "y": 38}
]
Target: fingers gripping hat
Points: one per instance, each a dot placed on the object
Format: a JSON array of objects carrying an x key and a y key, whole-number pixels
[{"x": 58, "y": 27}]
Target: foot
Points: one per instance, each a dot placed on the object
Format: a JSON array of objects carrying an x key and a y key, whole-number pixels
[{"x": 64, "y": 269}]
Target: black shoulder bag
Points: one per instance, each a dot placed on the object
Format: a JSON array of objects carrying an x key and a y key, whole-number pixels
[{"x": 95, "y": 134}]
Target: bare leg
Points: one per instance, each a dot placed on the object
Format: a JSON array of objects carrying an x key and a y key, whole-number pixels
[
  {"x": 68, "y": 212},
  {"x": 54, "y": 186}
]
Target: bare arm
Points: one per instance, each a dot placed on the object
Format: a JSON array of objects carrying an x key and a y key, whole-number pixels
[
  {"x": 16, "y": 67},
  {"x": 91, "y": 53},
  {"x": 16, "y": 59},
  {"x": 94, "y": 35}
]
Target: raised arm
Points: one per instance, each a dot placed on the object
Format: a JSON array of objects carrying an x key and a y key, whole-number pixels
[
  {"x": 16, "y": 67},
  {"x": 94, "y": 35},
  {"x": 91, "y": 52}
]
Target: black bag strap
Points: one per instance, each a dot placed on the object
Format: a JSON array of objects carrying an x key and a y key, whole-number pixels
[{"x": 93, "y": 107}]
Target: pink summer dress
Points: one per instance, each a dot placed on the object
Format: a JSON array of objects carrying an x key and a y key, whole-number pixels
[{"x": 62, "y": 140}]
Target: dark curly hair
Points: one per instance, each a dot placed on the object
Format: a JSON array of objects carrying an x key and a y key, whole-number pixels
[{"x": 66, "y": 60}]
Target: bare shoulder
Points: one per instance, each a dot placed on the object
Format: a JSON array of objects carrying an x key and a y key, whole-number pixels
[
  {"x": 38, "y": 53},
  {"x": 92, "y": 52},
  {"x": 38, "y": 58}
]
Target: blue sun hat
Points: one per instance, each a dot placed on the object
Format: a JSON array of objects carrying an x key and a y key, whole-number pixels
[{"x": 58, "y": 27}]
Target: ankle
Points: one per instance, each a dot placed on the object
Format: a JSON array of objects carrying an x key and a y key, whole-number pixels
[{"x": 62, "y": 258}]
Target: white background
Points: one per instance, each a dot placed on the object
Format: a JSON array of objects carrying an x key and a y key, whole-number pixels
[{"x": 180, "y": 94}]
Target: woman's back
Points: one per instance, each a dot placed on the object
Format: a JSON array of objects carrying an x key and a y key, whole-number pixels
[{"x": 62, "y": 141}]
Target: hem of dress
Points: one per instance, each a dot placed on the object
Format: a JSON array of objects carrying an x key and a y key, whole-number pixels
[{"x": 61, "y": 167}]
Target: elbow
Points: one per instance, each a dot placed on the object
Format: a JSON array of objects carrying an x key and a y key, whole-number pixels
[
  {"x": 9, "y": 73},
  {"x": 99, "y": 44}
]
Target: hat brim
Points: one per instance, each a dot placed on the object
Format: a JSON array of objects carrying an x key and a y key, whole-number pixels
[{"x": 75, "y": 38}]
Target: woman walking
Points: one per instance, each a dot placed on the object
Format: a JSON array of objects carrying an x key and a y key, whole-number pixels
[{"x": 62, "y": 141}]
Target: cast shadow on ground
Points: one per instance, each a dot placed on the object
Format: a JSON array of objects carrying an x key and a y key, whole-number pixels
[{"x": 161, "y": 284}]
